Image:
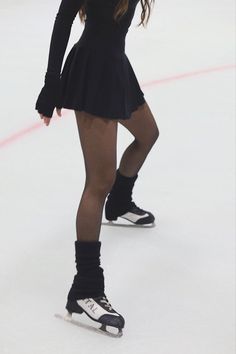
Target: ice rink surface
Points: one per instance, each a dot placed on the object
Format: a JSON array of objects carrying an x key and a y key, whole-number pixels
[{"x": 174, "y": 283}]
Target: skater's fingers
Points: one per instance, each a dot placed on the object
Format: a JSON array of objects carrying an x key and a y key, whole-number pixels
[
  {"x": 58, "y": 111},
  {"x": 46, "y": 120}
]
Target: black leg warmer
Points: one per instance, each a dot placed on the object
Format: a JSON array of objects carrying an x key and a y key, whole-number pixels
[
  {"x": 89, "y": 280},
  {"x": 119, "y": 199}
]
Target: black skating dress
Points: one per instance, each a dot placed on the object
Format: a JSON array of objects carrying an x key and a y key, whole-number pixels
[{"x": 97, "y": 76}]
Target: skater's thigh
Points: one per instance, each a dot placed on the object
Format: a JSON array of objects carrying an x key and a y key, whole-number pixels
[
  {"x": 98, "y": 138},
  {"x": 142, "y": 124}
]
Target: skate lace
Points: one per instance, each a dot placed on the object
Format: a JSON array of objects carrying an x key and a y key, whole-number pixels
[{"x": 105, "y": 301}]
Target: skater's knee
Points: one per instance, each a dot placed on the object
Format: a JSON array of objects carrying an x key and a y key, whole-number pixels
[
  {"x": 154, "y": 135},
  {"x": 101, "y": 184},
  {"x": 148, "y": 139}
]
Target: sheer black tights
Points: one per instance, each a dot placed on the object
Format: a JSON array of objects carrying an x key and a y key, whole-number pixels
[{"x": 98, "y": 138}]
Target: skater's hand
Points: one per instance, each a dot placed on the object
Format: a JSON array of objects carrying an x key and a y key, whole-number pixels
[
  {"x": 49, "y": 97},
  {"x": 47, "y": 119}
]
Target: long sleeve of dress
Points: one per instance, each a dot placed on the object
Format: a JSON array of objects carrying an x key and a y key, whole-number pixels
[
  {"x": 49, "y": 97},
  {"x": 67, "y": 12}
]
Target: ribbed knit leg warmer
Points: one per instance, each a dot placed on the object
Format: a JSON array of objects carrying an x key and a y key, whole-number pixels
[
  {"x": 119, "y": 199},
  {"x": 89, "y": 280}
]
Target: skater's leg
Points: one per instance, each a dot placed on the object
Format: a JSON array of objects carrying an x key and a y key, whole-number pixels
[
  {"x": 98, "y": 139},
  {"x": 87, "y": 294},
  {"x": 143, "y": 127},
  {"x": 119, "y": 203}
]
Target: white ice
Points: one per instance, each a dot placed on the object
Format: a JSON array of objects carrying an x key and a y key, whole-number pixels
[{"x": 175, "y": 283}]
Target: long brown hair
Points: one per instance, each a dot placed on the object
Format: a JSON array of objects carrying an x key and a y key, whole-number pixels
[{"x": 122, "y": 7}]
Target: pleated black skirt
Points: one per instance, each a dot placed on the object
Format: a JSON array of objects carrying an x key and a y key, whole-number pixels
[{"x": 101, "y": 82}]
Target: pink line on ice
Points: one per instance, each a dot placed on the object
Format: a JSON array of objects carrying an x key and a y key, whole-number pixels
[{"x": 189, "y": 74}]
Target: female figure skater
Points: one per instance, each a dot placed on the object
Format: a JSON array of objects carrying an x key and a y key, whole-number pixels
[{"x": 99, "y": 84}]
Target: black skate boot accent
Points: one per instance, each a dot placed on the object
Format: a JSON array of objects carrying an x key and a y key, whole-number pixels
[{"x": 119, "y": 202}]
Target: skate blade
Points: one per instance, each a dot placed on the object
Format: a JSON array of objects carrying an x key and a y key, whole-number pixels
[
  {"x": 128, "y": 224},
  {"x": 101, "y": 330}
]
